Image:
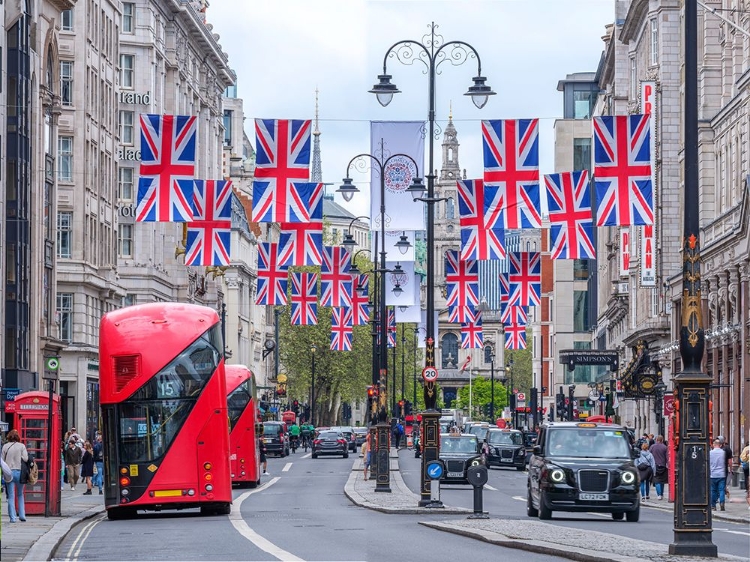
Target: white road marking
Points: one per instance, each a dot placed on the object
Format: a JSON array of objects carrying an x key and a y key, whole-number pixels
[
  {"x": 235, "y": 517},
  {"x": 607, "y": 515},
  {"x": 488, "y": 487},
  {"x": 519, "y": 498},
  {"x": 733, "y": 532},
  {"x": 74, "y": 552},
  {"x": 307, "y": 456},
  {"x": 287, "y": 466}
]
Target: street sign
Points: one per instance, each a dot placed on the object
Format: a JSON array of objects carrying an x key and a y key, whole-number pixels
[
  {"x": 668, "y": 405},
  {"x": 435, "y": 470},
  {"x": 430, "y": 374},
  {"x": 52, "y": 363},
  {"x": 521, "y": 397}
]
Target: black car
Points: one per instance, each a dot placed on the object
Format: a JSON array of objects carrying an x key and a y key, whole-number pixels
[
  {"x": 505, "y": 448},
  {"x": 349, "y": 435},
  {"x": 583, "y": 466},
  {"x": 330, "y": 443},
  {"x": 529, "y": 438},
  {"x": 459, "y": 453},
  {"x": 479, "y": 429},
  {"x": 276, "y": 438}
]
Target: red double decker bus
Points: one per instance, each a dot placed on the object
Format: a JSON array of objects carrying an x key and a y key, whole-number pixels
[
  {"x": 242, "y": 404},
  {"x": 164, "y": 410}
]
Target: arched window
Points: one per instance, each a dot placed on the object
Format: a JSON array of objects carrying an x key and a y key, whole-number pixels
[
  {"x": 50, "y": 75},
  {"x": 450, "y": 208},
  {"x": 449, "y": 347},
  {"x": 488, "y": 354}
]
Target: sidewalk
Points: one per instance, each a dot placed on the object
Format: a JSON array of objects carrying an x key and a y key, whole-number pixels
[
  {"x": 528, "y": 534},
  {"x": 36, "y": 538},
  {"x": 736, "y": 507}
]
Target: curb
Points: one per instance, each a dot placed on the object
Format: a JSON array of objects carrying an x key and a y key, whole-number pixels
[
  {"x": 716, "y": 515},
  {"x": 43, "y": 549}
]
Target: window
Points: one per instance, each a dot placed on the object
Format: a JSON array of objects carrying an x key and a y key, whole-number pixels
[
  {"x": 580, "y": 311},
  {"x": 583, "y": 103},
  {"x": 450, "y": 208},
  {"x": 127, "y": 129},
  {"x": 449, "y": 347},
  {"x": 488, "y": 355},
  {"x": 654, "y": 41},
  {"x": 65, "y": 316},
  {"x": 125, "y": 192},
  {"x": 64, "y": 234},
  {"x": 582, "y": 154},
  {"x": 67, "y": 20},
  {"x": 65, "y": 159},
  {"x": 66, "y": 82},
  {"x": 128, "y": 17},
  {"x": 227, "y": 128},
  {"x": 633, "y": 80},
  {"x": 127, "y": 64},
  {"x": 581, "y": 270},
  {"x": 125, "y": 241}
]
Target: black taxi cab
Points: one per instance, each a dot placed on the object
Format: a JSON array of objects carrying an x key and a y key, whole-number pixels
[
  {"x": 505, "y": 448},
  {"x": 580, "y": 467},
  {"x": 459, "y": 453}
]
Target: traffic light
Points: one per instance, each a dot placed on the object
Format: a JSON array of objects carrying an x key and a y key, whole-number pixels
[
  {"x": 401, "y": 407},
  {"x": 408, "y": 408},
  {"x": 371, "y": 392},
  {"x": 551, "y": 414},
  {"x": 295, "y": 406}
]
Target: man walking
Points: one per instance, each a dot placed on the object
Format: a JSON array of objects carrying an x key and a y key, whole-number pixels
[
  {"x": 729, "y": 465},
  {"x": 99, "y": 462},
  {"x": 717, "y": 461},
  {"x": 659, "y": 451},
  {"x": 73, "y": 456}
]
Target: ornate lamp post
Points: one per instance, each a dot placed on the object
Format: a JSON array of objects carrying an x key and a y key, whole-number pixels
[
  {"x": 431, "y": 51},
  {"x": 692, "y": 515},
  {"x": 492, "y": 384},
  {"x": 313, "y": 349},
  {"x": 347, "y": 190}
]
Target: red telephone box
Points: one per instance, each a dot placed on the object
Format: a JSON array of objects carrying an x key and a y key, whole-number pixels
[{"x": 32, "y": 419}]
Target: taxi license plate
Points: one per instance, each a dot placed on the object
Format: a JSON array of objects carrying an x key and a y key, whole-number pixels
[
  {"x": 506, "y": 460},
  {"x": 267, "y": 440},
  {"x": 594, "y": 497},
  {"x": 455, "y": 475}
]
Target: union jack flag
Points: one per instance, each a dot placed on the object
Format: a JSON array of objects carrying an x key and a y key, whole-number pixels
[
  {"x": 471, "y": 333},
  {"x": 622, "y": 170},
  {"x": 209, "y": 234},
  {"x": 514, "y": 315},
  {"x": 504, "y": 287},
  {"x": 460, "y": 314},
  {"x": 301, "y": 243},
  {"x": 515, "y": 336},
  {"x": 482, "y": 234},
  {"x": 391, "y": 327},
  {"x": 282, "y": 158},
  {"x": 525, "y": 279},
  {"x": 570, "y": 217},
  {"x": 360, "y": 303},
  {"x": 336, "y": 283},
  {"x": 167, "y": 155},
  {"x": 304, "y": 299},
  {"x": 341, "y": 329},
  {"x": 272, "y": 278},
  {"x": 300, "y": 199},
  {"x": 462, "y": 280},
  {"x": 511, "y": 163}
]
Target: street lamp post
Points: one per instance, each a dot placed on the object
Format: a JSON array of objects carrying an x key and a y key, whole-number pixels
[
  {"x": 432, "y": 51},
  {"x": 347, "y": 190},
  {"x": 692, "y": 515},
  {"x": 492, "y": 386},
  {"x": 511, "y": 394},
  {"x": 313, "y": 349}
]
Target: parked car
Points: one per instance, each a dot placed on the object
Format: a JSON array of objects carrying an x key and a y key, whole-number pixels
[
  {"x": 348, "y": 432},
  {"x": 580, "y": 467},
  {"x": 360, "y": 435},
  {"x": 276, "y": 438},
  {"x": 505, "y": 448},
  {"x": 459, "y": 453},
  {"x": 330, "y": 442}
]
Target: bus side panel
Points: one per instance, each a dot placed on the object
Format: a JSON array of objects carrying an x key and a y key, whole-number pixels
[{"x": 244, "y": 446}]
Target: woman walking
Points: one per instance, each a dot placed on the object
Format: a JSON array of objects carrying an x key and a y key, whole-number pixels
[
  {"x": 646, "y": 470},
  {"x": 87, "y": 466},
  {"x": 15, "y": 453}
]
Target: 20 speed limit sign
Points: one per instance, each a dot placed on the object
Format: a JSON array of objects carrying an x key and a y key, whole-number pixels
[{"x": 430, "y": 374}]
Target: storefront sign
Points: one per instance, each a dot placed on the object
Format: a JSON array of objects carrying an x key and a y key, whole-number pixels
[
  {"x": 648, "y": 261},
  {"x": 624, "y": 251},
  {"x": 135, "y": 98},
  {"x": 129, "y": 153}
]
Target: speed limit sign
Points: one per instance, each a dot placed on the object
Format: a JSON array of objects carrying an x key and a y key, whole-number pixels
[
  {"x": 52, "y": 363},
  {"x": 430, "y": 374}
]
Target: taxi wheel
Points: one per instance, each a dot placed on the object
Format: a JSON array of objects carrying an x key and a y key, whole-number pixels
[
  {"x": 618, "y": 516},
  {"x": 531, "y": 511},
  {"x": 544, "y": 512},
  {"x": 346, "y": 455},
  {"x": 315, "y": 455},
  {"x": 633, "y": 516}
]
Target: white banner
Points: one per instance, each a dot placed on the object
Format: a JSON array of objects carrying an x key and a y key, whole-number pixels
[
  {"x": 387, "y": 139},
  {"x": 648, "y": 258},
  {"x": 409, "y": 293},
  {"x": 423, "y": 331},
  {"x": 391, "y": 252},
  {"x": 624, "y": 251},
  {"x": 408, "y": 314}
]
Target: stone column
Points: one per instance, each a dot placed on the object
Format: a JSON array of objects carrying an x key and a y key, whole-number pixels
[
  {"x": 743, "y": 371},
  {"x": 734, "y": 391}
]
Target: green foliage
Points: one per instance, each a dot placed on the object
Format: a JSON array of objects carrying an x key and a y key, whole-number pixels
[
  {"x": 521, "y": 372},
  {"x": 481, "y": 395}
]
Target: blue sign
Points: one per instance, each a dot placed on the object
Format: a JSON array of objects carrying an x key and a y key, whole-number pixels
[
  {"x": 11, "y": 393},
  {"x": 435, "y": 470}
]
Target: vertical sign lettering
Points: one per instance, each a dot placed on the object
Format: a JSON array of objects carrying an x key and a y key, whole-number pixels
[
  {"x": 624, "y": 251},
  {"x": 648, "y": 257},
  {"x": 648, "y": 261}
]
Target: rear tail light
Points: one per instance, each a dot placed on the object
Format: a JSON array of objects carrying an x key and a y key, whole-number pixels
[
  {"x": 316, "y": 442},
  {"x": 124, "y": 481},
  {"x": 342, "y": 441},
  {"x": 207, "y": 466}
]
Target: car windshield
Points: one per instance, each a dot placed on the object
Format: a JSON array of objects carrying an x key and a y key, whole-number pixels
[
  {"x": 271, "y": 429},
  {"x": 587, "y": 443},
  {"x": 479, "y": 431},
  {"x": 330, "y": 435},
  {"x": 458, "y": 445},
  {"x": 504, "y": 438}
]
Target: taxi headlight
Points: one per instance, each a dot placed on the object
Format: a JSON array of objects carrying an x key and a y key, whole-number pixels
[
  {"x": 557, "y": 475},
  {"x": 475, "y": 462},
  {"x": 628, "y": 477}
]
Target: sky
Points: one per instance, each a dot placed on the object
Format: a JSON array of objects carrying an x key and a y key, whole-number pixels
[{"x": 282, "y": 50}]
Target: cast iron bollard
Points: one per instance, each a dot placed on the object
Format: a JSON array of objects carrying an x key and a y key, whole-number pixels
[{"x": 477, "y": 476}]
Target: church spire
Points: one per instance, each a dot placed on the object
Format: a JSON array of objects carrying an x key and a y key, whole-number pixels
[{"x": 317, "y": 169}]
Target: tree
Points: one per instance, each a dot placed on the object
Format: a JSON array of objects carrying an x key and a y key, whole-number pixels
[{"x": 481, "y": 393}]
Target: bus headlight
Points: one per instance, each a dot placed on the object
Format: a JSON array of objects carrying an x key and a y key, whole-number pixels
[
  {"x": 627, "y": 477},
  {"x": 557, "y": 475},
  {"x": 125, "y": 492}
]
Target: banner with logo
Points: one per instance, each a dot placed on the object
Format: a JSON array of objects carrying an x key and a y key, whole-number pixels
[
  {"x": 407, "y": 282},
  {"x": 408, "y": 314},
  {"x": 387, "y": 140},
  {"x": 624, "y": 251},
  {"x": 423, "y": 331},
  {"x": 648, "y": 258},
  {"x": 391, "y": 252}
]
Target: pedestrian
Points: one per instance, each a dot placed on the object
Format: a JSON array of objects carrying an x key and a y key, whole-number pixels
[
  {"x": 263, "y": 459},
  {"x": 99, "y": 462},
  {"x": 646, "y": 470},
  {"x": 73, "y": 456},
  {"x": 366, "y": 455},
  {"x": 661, "y": 474},
  {"x": 14, "y": 454},
  {"x": 718, "y": 464},
  {"x": 651, "y": 439},
  {"x": 745, "y": 461},
  {"x": 729, "y": 462},
  {"x": 399, "y": 433},
  {"x": 87, "y": 466}
]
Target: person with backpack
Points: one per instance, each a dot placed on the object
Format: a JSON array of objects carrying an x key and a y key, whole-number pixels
[
  {"x": 646, "y": 466},
  {"x": 15, "y": 454}
]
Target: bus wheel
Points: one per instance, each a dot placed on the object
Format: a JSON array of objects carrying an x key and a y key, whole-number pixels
[
  {"x": 224, "y": 509},
  {"x": 253, "y": 484}
]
